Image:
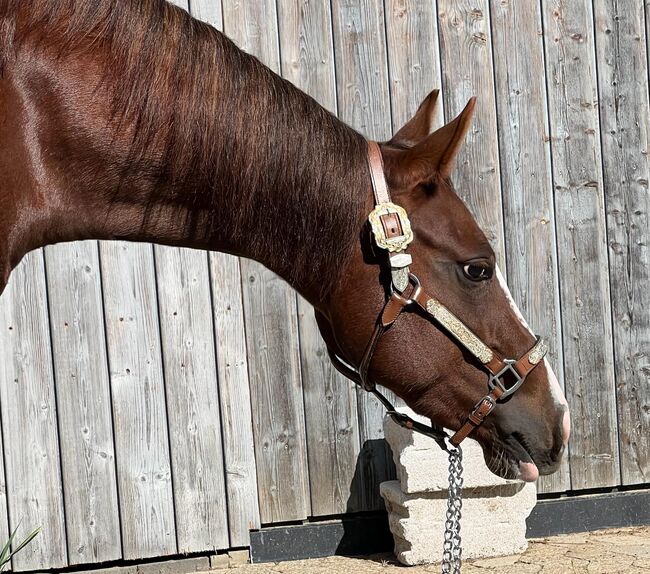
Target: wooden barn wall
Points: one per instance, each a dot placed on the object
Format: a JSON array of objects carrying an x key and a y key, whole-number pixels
[{"x": 157, "y": 401}]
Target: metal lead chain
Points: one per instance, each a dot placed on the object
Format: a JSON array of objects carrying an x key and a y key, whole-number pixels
[{"x": 452, "y": 550}]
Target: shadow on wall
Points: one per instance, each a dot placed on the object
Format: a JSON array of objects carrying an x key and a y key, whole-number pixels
[
  {"x": 366, "y": 531},
  {"x": 363, "y": 530}
]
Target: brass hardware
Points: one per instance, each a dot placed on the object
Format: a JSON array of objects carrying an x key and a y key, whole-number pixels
[{"x": 392, "y": 244}]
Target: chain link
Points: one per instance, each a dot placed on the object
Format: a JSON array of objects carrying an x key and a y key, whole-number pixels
[{"x": 452, "y": 549}]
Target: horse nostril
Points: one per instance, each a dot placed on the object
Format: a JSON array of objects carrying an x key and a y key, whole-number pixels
[{"x": 566, "y": 426}]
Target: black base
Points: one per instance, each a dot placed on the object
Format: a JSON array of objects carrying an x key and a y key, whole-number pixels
[
  {"x": 589, "y": 512},
  {"x": 350, "y": 536},
  {"x": 369, "y": 534}
]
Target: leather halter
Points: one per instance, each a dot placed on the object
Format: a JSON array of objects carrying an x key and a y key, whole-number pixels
[{"x": 392, "y": 232}]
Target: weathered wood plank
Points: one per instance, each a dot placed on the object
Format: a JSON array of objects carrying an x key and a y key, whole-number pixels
[
  {"x": 138, "y": 393},
  {"x": 581, "y": 238},
  {"x": 232, "y": 368},
  {"x": 187, "y": 338},
  {"x": 4, "y": 515},
  {"x": 413, "y": 57},
  {"x": 332, "y": 425},
  {"x": 467, "y": 70},
  {"x": 234, "y": 394},
  {"x": 29, "y": 418},
  {"x": 527, "y": 181},
  {"x": 278, "y": 411},
  {"x": 84, "y": 402},
  {"x": 192, "y": 399},
  {"x": 207, "y": 10},
  {"x": 276, "y": 390},
  {"x": 271, "y": 328},
  {"x": 624, "y": 118},
  {"x": 364, "y": 103},
  {"x": 332, "y": 422}
]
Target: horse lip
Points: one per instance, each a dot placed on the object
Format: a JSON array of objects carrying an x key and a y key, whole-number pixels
[
  {"x": 526, "y": 466},
  {"x": 518, "y": 449}
]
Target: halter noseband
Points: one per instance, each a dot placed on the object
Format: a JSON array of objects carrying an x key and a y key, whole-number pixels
[{"x": 392, "y": 232}]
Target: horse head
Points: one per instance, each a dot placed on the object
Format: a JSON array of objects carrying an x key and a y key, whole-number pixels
[{"x": 418, "y": 358}]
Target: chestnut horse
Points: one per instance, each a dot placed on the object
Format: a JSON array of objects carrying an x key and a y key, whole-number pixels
[{"x": 128, "y": 119}]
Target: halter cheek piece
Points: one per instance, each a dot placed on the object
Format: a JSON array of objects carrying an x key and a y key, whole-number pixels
[{"x": 392, "y": 232}]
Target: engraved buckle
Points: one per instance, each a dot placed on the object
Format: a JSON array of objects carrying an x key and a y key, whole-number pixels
[
  {"x": 411, "y": 299},
  {"x": 392, "y": 244},
  {"x": 496, "y": 380}
]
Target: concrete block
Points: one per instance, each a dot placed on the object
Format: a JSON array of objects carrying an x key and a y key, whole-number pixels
[
  {"x": 493, "y": 521},
  {"x": 239, "y": 557},
  {"x": 219, "y": 562},
  {"x": 115, "y": 570},
  {"x": 494, "y": 509},
  {"x": 182, "y": 566},
  {"x": 423, "y": 467}
]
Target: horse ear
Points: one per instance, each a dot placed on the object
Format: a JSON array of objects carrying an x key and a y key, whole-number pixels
[
  {"x": 436, "y": 154},
  {"x": 420, "y": 125}
]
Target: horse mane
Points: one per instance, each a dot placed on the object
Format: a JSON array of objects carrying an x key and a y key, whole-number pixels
[{"x": 229, "y": 133}]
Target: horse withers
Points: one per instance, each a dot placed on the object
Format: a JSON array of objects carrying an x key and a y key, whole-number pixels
[{"x": 128, "y": 119}]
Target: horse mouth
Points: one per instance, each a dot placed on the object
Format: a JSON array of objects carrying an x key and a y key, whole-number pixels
[{"x": 510, "y": 458}]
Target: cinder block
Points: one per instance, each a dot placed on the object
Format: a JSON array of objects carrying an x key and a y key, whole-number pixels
[
  {"x": 494, "y": 509},
  {"x": 423, "y": 467},
  {"x": 493, "y": 521},
  {"x": 219, "y": 561},
  {"x": 182, "y": 566},
  {"x": 239, "y": 557}
]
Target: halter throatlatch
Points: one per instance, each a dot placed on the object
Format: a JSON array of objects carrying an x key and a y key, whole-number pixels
[{"x": 392, "y": 232}]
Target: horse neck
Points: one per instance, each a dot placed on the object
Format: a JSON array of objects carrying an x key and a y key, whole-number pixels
[{"x": 229, "y": 158}]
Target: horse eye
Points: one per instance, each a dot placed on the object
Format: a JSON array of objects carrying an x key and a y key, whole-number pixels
[{"x": 477, "y": 271}]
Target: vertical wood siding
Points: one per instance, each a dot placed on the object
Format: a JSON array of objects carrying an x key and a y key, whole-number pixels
[
  {"x": 529, "y": 213},
  {"x": 364, "y": 102},
  {"x": 156, "y": 401}
]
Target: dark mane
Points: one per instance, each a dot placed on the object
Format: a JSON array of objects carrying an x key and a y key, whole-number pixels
[{"x": 214, "y": 128}]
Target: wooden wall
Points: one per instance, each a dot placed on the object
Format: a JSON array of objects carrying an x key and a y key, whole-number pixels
[{"x": 157, "y": 401}]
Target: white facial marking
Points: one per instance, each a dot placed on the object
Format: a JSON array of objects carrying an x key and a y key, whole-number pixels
[
  {"x": 513, "y": 305},
  {"x": 556, "y": 389}
]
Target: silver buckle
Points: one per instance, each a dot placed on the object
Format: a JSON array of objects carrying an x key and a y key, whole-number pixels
[
  {"x": 412, "y": 296},
  {"x": 485, "y": 399},
  {"x": 392, "y": 244},
  {"x": 495, "y": 380}
]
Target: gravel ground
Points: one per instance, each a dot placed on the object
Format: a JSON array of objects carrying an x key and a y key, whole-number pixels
[{"x": 624, "y": 550}]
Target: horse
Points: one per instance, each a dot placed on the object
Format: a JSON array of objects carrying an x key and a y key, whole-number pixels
[{"x": 130, "y": 120}]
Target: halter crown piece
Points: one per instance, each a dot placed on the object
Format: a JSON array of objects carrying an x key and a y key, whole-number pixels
[{"x": 392, "y": 232}]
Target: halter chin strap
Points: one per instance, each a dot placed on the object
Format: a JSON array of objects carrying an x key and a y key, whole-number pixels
[{"x": 392, "y": 231}]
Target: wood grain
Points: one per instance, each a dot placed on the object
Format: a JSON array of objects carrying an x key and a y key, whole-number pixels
[
  {"x": 272, "y": 328},
  {"x": 467, "y": 70},
  {"x": 84, "y": 402},
  {"x": 364, "y": 103},
  {"x": 413, "y": 57},
  {"x": 138, "y": 394},
  {"x": 207, "y": 10},
  {"x": 622, "y": 60},
  {"x": 235, "y": 398},
  {"x": 232, "y": 368},
  {"x": 332, "y": 426},
  {"x": 29, "y": 418},
  {"x": 527, "y": 184},
  {"x": 192, "y": 395},
  {"x": 581, "y": 237}
]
